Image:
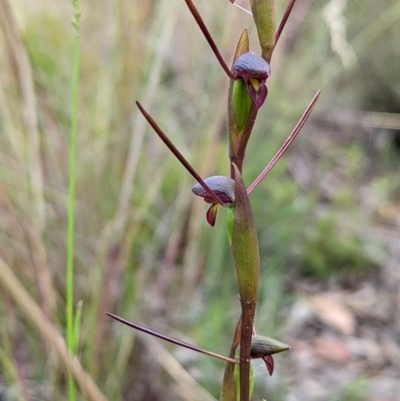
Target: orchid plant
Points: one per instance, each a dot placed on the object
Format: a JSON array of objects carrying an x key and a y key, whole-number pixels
[{"x": 247, "y": 93}]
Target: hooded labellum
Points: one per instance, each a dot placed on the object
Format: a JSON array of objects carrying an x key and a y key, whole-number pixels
[
  {"x": 254, "y": 70},
  {"x": 223, "y": 187}
]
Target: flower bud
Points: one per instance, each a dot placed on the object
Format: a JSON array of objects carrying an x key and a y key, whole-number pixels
[{"x": 262, "y": 346}]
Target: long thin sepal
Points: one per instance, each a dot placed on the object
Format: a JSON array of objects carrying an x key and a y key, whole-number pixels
[
  {"x": 178, "y": 154},
  {"x": 287, "y": 143},
  {"x": 208, "y": 37},
  {"x": 285, "y": 17},
  {"x": 170, "y": 339}
]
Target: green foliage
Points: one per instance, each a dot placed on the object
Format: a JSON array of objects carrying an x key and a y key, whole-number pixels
[
  {"x": 72, "y": 332},
  {"x": 329, "y": 251},
  {"x": 356, "y": 390}
]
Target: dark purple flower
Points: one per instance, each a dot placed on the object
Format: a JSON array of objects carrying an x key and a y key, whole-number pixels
[
  {"x": 223, "y": 187},
  {"x": 254, "y": 70}
]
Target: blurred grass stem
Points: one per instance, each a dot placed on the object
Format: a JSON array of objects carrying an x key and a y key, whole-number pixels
[
  {"x": 51, "y": 335},
  {"x": 71, "y": 197},
  {"x": 30, "y": 150},
  {"x": 160, "y": 56}
]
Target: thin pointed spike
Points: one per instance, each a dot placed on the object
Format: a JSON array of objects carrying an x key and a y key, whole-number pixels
[
  {"x": 170, "y": 339},
  {"x": 208, "y": 37},
  {"x": 285, "y": 17},
  {"x": 243, "y": 9},
  {"x": 178, "y": 154},
  {"x": 287, "y": 143}
]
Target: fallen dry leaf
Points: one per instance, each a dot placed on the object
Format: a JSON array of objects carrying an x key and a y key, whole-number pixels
[{"x": 331, "y": 310}]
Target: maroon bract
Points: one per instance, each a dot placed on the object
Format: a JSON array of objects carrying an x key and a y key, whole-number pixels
[
  {"x": 269, "y": 362},
  {"x": 211, "y": 215}
]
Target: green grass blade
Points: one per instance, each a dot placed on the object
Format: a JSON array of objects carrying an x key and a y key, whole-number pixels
[
  {"x": 77, "y": 325},
  {"x": 71, "y": 198}
]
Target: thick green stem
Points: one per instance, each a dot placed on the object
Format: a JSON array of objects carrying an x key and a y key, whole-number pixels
[{"x": 247, "y": 262}]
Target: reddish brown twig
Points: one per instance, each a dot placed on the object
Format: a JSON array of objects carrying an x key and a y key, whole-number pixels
[
  {"x": 208, "y": 37},
  {"x": 170, "y": 339},
  {"x": 285, "y": 17}
]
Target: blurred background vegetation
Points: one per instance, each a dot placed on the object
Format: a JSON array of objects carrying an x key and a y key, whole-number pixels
[{"x": 143, "y": 249}]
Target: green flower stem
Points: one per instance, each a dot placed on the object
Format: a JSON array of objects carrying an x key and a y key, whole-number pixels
[
  {"x": 77, "y": 325},
  {"x": 71, "y": 335}
]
